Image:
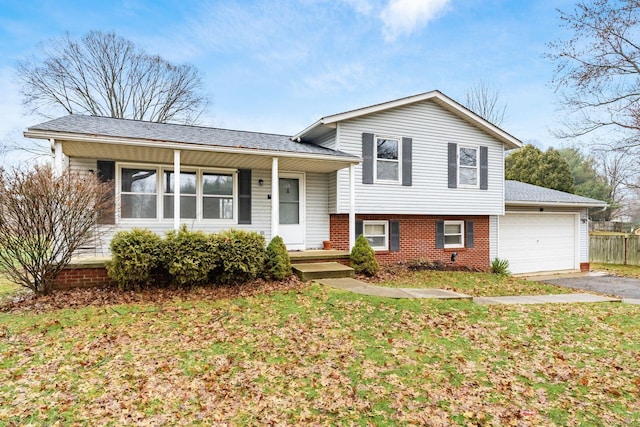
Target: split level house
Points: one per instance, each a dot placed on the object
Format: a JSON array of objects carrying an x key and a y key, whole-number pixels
[{"x": 421, "y": 177}]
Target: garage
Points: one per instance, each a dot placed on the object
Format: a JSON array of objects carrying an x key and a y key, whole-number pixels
[
  {"x": 536, "y": 242},
  {"x": 544, "y": 230}
]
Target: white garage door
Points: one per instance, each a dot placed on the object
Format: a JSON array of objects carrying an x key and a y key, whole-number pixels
[{"x": 535, "y": 242}]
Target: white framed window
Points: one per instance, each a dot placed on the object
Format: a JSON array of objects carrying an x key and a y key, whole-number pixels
[
  {"x": 138, "y": 192},
  {"x": 188, "y": 194},
  {"x": 217, "y": 195},
  {"x": 377, "y": 234},
  {"x": 387, "y": 159},
  {"x": 146, "y": 192},
  {"x": 454, "y": 234},
  {"x": 468, "y": 170}
]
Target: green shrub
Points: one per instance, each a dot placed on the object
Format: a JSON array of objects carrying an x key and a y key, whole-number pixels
[
  {"x": 238, "y": 256},
  {"x": 500, "y": 266},
  {"x": 278, "y": 263},
  {"x": 187, "y": 256},
  {"x": 135, "y": 255},
  {"x": 363, "y": 258}
]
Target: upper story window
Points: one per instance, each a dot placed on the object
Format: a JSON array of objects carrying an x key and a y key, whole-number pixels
[
  {"x": 139, "y": 193},
  {"x": 468, "y": 166},
  {"x": 387, "y": 159}
]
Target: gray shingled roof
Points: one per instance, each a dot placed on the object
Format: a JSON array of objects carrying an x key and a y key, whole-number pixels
[
  {"x": 161, "y": 132},
  {"x": 519, "y": 192}
]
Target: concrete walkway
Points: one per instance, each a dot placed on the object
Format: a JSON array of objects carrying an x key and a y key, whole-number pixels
[{"x": 359, "y": 287}]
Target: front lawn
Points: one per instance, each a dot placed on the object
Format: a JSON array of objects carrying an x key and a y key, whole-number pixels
[
  {"x": 474, "y": 284},
  {"x": 314, "y": 355},
  {"x": 618, "y": 269},
  {"x": 8, "y": 288}
]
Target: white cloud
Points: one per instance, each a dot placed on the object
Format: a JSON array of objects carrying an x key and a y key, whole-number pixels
[
  {"x": 361, "y": 6},
  {"x": 402, "y": 17}
]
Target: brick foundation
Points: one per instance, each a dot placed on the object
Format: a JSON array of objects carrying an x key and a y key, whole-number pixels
[
  {"x": 82, "y": 276},
  {"x": 585, "y": 266},
  {"x": 418, "y": 239}
]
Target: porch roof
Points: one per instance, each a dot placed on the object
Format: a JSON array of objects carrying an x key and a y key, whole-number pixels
[{"x": 139, "y": 141}]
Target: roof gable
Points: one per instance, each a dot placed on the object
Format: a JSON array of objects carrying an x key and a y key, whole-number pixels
[{"x": 438, "y": 97}]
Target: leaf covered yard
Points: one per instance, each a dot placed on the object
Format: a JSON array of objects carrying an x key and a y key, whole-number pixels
[{"x": 307, "y": 355}]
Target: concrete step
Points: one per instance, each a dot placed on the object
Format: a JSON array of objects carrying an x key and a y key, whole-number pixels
[{"x": 322, "y": 270}]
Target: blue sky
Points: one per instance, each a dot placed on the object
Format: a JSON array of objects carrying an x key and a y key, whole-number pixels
[{"x": 278, "y": 65}]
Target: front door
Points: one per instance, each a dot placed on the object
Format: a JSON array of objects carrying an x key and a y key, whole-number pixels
[{"x": 291, "y": 225}]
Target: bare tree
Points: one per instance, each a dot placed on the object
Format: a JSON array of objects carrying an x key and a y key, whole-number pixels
[
  {"x": 44, "y": 219},
  {"x": 103, "y": 74},
  {"x": 619, "y": 167},
  {"x": 598, "y": 69},
  {"x": 485, "y": 102}
]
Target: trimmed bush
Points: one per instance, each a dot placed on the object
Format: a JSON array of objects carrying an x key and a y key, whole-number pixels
[
  {"x": 135, "y": 255},
  {"x": 500, "y": 266},
  {"x": 238, "y": 256},
  {"x": 278, "y": 263},
  {"x": 187, "y": 256},
  {"x": 363, "y": 258}
]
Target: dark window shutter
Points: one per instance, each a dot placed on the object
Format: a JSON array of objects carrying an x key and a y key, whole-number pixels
[
  {"x": 244, "y": 196},
  {"x": 106, "y": 172},
  {"x": 468, "y": 226},
  {"x": 394, "y": 236},
  {"x": 484, "y": 168},
  {"x": 367, "y": 158},
  {"x": 439, "y": 234},
  {"x": 359, "y": 229},
  {"x": 406, "y": 161},
  {"x": 453, "y": 165}
]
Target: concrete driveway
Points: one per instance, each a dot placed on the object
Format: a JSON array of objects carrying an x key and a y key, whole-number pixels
[{"x": 602, "y": 283}]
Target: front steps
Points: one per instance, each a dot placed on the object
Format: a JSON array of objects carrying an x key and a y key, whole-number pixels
[{"x": 321, "y": 270}]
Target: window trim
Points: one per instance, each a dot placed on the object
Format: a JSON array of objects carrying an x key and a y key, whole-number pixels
[
  {"x": 160, "y": 193},
  {"x": 461, "y": 234},
  {"x": 398, "y": 161},
  {"x": 386, "y": 233},
  {"x": 477, "y": 166}
]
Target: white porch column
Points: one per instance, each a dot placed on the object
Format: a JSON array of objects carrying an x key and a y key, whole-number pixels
[
  {"x": 275, "y": 198},
  {"x": 58, "y": 159},
  {"x": 352, "y": 206},
  {"x": 176, "y": 189}
]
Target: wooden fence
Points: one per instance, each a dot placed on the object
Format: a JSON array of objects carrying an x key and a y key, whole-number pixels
[{"x": 615, "y": 249}]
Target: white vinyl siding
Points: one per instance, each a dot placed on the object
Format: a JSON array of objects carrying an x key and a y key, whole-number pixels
[
  {"x": 327, "y": 141},
  {"x": 317, "y": 209},
  {"x": 493, "y": 237},
  {"x": 82, "y": 166},
  {"x": 431, "y": 127}
]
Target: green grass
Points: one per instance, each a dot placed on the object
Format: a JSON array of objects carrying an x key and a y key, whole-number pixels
[
  {"x": 618, "y": 269},
  {"x": 474, "y": 284},
  {"x": 8, "y": 288},
  {"x": 322, "y": 356}
]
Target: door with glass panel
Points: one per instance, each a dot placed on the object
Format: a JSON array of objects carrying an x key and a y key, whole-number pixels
[{"x": 291, "y": 207}]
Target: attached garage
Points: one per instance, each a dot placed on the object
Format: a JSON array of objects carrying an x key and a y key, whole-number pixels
[
  {"x": 544, "y": 230},
  {"x": 535, "y": 242}
]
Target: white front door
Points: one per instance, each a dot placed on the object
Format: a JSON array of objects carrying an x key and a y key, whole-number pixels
[{"x": 291, "y": 189}]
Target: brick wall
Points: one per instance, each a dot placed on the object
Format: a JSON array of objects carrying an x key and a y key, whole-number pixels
[
  {"x": 82, "y": 276},
  {"x": 418, "y": 239}
]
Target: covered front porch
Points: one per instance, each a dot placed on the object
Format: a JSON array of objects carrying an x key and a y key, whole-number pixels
[{"x": 274, "y": 189}]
